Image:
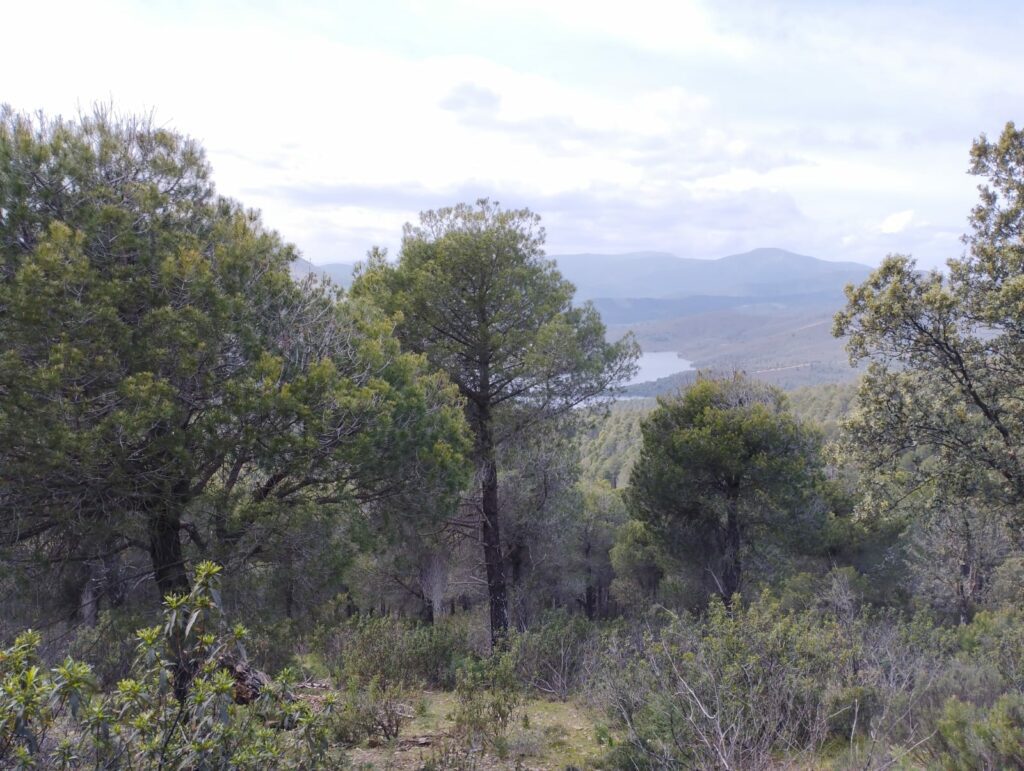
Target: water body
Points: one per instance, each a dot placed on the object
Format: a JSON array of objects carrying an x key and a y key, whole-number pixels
[{"x": 659, "y": 364}]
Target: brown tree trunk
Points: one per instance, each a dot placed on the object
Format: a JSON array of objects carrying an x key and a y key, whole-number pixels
[
  {"x": 732, "y": 567},
  {"x": 88, "y": 606},
  {"x": 590, "y": 593},
  {"x": 590, "y": 602},
  {"x": 969, "y": 582},
  {"x": 113, "y": 583},
  {"x": 490, "y": 535},
  {"x": 166, "y": 553},
  {"x": 168, "y": 560},
  {"x": 490, "y": 528}
]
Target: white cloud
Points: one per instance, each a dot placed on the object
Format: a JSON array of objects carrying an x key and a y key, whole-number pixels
[
  {"x": 685, "y": 109},
  {"x": 665, "y": 26},
  {"x": 897, "y": 222}
]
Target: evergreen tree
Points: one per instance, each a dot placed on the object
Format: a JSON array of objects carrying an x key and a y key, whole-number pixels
[
  {"x": 477, "y": 297},
  {"x": 940, "y": 410},
  {"x": 160, "y": 372},
  {"x": 721, "y": 465}
]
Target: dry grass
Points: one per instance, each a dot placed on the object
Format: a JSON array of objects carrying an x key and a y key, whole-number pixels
[{"x": 553, "y": 736}]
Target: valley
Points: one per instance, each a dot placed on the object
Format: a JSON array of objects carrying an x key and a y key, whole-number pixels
[{"x": 767, "y": 312}]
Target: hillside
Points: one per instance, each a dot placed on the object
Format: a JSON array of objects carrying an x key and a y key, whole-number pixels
[
  {"x": 767, "y": 312},
  {"x": 785, "y": 345},
  {"x": 339, "y": 272},
  {"x": 759, "y": 273}
]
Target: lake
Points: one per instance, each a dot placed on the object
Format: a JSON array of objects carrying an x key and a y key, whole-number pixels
[{"x": 659, "y": 364}]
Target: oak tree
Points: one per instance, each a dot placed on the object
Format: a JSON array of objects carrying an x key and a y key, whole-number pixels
[{"x": 940, "y": 411}]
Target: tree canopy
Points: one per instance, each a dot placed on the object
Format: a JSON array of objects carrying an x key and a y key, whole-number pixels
[
  {"x": 478, "y": 298},
  {"x": 940, "y": 411},
  {"x": 721, "y": 464},
  {"x": 161, "y": 373}
]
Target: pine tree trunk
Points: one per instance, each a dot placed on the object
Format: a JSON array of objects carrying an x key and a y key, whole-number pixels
[
  {"x": 166, "y": 553},
  {"x": 490, "y": 533},
  {"x": 590, "y": 602},
  {"x": 490, "y": 528},
  {"x": 732, "y": 566},
  {"x": 88, "y": 606}
]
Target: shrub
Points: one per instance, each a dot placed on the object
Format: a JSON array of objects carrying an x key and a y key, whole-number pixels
[
  {"x": 374, "y": 712},
  {"x": 395, "y": 651},
  {"x": 33, "y": 699},
  {"x": 1008, "y": 583},
  {"x": 109, "y": 647},
  {"x": 970, "y": 737},
  {"x": 997, "y": 638},
  {"x": 850, "y": 710},
  {"x": 732, "y": 690},
  {"x": 554, "y": 656},
  {"x": 178, "y": 709},
  {"x": 276, "y": 645},
  {"x": 450, "y": 755},
  {"x": 488, "y": 697}
]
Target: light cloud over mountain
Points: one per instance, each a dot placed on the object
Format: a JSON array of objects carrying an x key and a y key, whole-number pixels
[{"x": 834, "y": 129}]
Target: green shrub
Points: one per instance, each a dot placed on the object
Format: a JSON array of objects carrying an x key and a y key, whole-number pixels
[
  {"x": 732, "y": 689},
  {"x": 996, "y": 638},
  {"x": 970, "y": 737},
  {"x": 395, "y": 651},
  {"x": 489, "y": 696},
  {"x": 850, "y": 711},
  {"x": 276, "y": 645},
  {"x": 177, "y": 710},
  {"x": 372, "y": 712},
  {"x": 109, "y": 647},
  {"x": 451, "y": 755},
  {"x": 1008, "y": 583},
  {"x": 33, "y": 699},
  {"x": 555, "y": 655}
]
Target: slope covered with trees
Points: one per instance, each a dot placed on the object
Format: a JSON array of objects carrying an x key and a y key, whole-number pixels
[
  {"x": 166, "y": 388},
  {"x": 477, "y": 298},
  {"x": 258, "y": 521}
]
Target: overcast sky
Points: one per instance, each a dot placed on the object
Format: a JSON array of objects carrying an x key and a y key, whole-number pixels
[{"x": 837, "y": 129}]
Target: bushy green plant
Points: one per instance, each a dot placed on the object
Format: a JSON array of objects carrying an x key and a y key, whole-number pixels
[
  {"x": 997, "y": 638},
  {"x": 971, "y": 737},
  {"x": 33, "y": 699},
  {"x": 489, "y": 695},
  {"x": 451, "y": 755},
  {"x": 109, "y": 646},
  {"x": 276, "y": 644},
  {"x": 178, "y": 710},
  {"x": 373, "y": 712},
  {"x": 556, "y": 653},
  {"x": 850, "y": 710},
  {"x": 729, "y": 690},
  {"x": 1008, "y": 583},
  {"x": 746, "y": 685},
  {"x": 395, "y": 651}
]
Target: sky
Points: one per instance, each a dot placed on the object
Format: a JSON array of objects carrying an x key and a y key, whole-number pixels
[{"x": 836, "y": 129}]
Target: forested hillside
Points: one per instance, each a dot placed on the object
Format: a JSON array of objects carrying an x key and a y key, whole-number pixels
[
  {"x": 612, "y": 445},
  {"x": 251, "y": 518},
  {"x": 767, "y": 312}
]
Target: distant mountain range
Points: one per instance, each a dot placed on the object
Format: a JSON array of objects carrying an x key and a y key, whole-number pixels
[
  {"x": 759, "y": 273},
  {"x": 767, "y": 312},
  {"x": 338, "y": 272}
]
